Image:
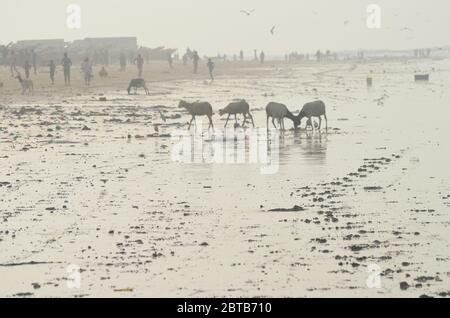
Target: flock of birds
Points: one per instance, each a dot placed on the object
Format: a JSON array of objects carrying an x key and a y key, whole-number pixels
[{"x": 248, "y": 13}]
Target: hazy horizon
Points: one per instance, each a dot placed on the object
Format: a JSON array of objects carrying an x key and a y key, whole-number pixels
[{"x": 212, "y": 26}]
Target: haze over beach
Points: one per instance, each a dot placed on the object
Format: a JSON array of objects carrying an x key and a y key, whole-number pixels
[
  {"x": 213, "y": 26},
  {"x": 225, "y": 149}
]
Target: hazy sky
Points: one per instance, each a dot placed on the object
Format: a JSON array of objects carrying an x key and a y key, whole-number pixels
[{"x": 213, "y": 26}]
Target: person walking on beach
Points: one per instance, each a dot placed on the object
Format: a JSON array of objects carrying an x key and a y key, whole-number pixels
[
  {"x": 140, "y": 65},
  {"x": 170, "y": 60},
  {"x": 211, "y": 66},
  {"x": 34, "y": 57},
  {"x": 52, "y": 67},
  {"x": 27, "y": 67},
  {"x": 123, "y": 62},
  {"x": 13, "y": 63},
  {"x": 262, "y": 57},
  {"x": 241, "y": 56},
  {"x": 86, "y": 67},
  {"x": 67, "y": 64},
  {"x": 195, "y": 59}
]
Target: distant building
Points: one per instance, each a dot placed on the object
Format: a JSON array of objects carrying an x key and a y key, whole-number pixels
[{"x": 53, "y": 44}]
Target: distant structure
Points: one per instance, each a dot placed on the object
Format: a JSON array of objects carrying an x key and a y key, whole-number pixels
[{"x": 101, "y": 50}]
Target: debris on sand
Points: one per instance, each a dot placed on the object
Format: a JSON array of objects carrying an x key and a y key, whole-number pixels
[
  {"x": 124, "y": 290},
  {"x": 422, "y": 77},
  {"x": 296, "y": 208},
  {"x": 373, "y": 188},
  {"x": 28, "y": 263}
]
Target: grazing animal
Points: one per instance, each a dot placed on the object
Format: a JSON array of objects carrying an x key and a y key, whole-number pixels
[
  {"x": 279, "y": 112},
  {"x": 103, "y": 73},
  {"x": 314, "y": 109},
  {"x": 138, "y": 83},
  {"x": 241, "y": 107},
  {"x": 27, "y": 85},
  {"x": 198, "y": 109}
]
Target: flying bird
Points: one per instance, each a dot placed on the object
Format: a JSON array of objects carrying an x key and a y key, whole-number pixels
[
  {"x": 248, "y": 13},
  {"x": 272, "y": 31}
]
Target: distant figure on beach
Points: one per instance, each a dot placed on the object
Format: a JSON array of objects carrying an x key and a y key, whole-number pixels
[
  {"x": 241, "y": 55},
  {"x": 13, "y": 63},
  {"x": 27, "y": 67},
  {"x": 170, "y": 60},
  {"x": 210, "y": 66},
  {"x": 34, "y": 57},
  {"x": 185, "y": 59},
  {"x": 67, "y": 64},
  {"x": 256, "y": 55},
  {"x": 262, "y": 57},
  {"x": 103, "y": 73},
  {"x": 86, "y": 67},
  {"x": 195, "y": 59},
  {"x": 140, "y": 65},
  {"x": 123, "y": 62},
  {"x": 52, "y": 67}
]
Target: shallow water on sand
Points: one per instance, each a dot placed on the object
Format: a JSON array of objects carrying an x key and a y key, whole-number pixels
[{"x": 373, "y": 192}]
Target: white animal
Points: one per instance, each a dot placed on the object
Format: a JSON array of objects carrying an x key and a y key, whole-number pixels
[
  {"x": 279, "y": 111},
  {"x": 198, "y": 109},
  {"x": 27, "y": 85},
  {"x": 235, "y": 108},
  {"x": 314, "y": 109}
]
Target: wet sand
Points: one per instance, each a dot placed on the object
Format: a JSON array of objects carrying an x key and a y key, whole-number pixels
[{"x": 87, "y": 183}]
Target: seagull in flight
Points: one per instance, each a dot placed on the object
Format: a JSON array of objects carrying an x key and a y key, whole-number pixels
[
  {"x": 248, "y": 13},
  {"x": 272, "y": 31}
]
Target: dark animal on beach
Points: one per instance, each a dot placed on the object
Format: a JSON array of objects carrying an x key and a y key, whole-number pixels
[
  {"x": 27, "y": 85},
  {"x": 198, "y": 109},
  {"x": 314, "y": 109},
  {"x": 235, "y": 108},
  {"x": 279, "y": 111},
  {"x": 138, "y": 83},
  {"x": 103, "y": 73}
]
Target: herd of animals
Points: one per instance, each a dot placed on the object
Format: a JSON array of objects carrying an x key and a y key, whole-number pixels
[{"x": 278, "y": 112}]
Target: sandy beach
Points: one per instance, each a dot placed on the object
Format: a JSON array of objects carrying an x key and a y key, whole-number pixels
[{"x": 93, "y": 204}]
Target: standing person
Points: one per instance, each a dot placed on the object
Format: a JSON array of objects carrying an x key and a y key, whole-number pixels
[
  {"x": 140, "y": 64},
  {"x": 241, "y": 55},
  {"x": 195, "y": 59},
  {"x": 210, "y": 66},
  {"x": 262, "y": 57},
  {"x": 86, "y": 67},
  {"x": 185, "y": 59},
  {"x": 52, "y": 67},
  {"x": 123, "y": 62},
  {"x": 67, "y": 64},
  {"x": 13, "y": 63},
  {"x": 27, "y": 67},
  {"x": 34, "y": 57},
  {"x": 170, "y": 60}
]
